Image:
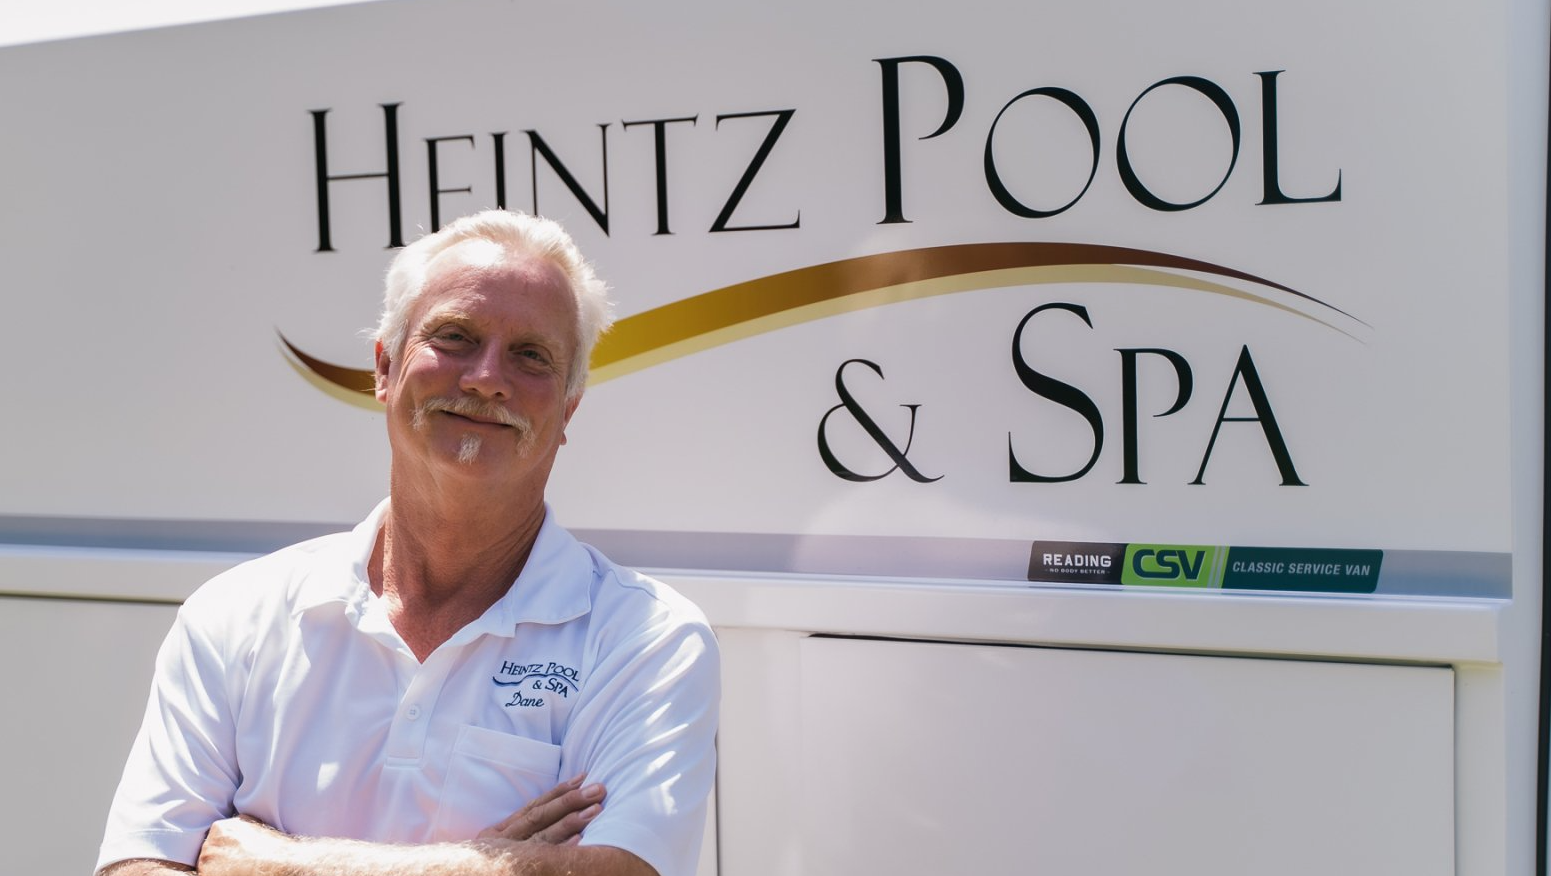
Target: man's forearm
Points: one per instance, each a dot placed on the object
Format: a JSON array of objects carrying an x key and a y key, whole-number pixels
[
  {"x": 301, "y": 856},
  {"x": 298, "y": 856},
  {"x": 539, "y": 839},
  {"x": 145, "y": 867}
]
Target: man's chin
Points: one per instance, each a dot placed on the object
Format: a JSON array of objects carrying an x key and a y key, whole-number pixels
[{"x": 473, "y": 448}]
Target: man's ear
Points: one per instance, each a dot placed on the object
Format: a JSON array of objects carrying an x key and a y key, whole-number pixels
[
  {"x": 380, "y": 373},
  {"x": 570, "y": 408}
]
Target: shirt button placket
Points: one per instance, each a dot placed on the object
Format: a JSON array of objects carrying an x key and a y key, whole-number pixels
[{"x": 412, "y": 721}]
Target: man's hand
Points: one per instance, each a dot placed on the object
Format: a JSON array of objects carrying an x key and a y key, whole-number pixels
[{"x": 557, "y": 817}]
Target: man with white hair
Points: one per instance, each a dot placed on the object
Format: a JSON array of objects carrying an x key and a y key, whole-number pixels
[{"x": 457, "y": 687}]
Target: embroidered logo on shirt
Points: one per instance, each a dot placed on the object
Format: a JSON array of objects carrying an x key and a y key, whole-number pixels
[{"x": 533, "y": 680}]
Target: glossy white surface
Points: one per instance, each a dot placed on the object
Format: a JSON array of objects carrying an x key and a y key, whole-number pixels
[
  {"x": 937, "y": 758},
  {"x": 76, "y": 679}
]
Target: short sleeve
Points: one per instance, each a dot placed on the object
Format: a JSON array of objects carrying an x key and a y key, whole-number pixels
[
  {"x": 181, "y": 774},
  {"x": 646, "y": 729}
]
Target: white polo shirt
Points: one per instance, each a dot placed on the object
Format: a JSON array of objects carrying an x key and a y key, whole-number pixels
[{"x": 283, "y": 692}]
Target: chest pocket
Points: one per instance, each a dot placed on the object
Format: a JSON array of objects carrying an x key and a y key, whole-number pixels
[{"x": 489, "y": 776}]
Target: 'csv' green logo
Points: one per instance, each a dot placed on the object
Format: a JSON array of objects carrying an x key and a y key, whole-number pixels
[{"x": 1168, "y": 565}]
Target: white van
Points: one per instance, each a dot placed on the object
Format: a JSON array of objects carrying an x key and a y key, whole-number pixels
[{"x": 1108, "y": 437}]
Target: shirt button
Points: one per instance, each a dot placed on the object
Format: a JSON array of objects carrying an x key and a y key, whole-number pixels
[{"x": 412, "y": 712}]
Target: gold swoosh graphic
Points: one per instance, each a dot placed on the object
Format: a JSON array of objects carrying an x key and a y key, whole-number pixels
[{"x": 744, "y": 310}]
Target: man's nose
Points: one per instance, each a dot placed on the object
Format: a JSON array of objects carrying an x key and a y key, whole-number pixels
[{"x": 486, "y": 374}]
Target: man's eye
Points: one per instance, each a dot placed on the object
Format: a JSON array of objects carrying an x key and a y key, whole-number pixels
[{"x": 534, "y": 355}]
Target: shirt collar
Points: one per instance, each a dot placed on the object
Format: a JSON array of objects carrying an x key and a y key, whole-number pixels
[
  {"x": 344, "y": 580},
  {"x": 555, "y": 584}
]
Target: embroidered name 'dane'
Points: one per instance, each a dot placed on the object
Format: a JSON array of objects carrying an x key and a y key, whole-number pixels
[{"x": 533, "y": 680}]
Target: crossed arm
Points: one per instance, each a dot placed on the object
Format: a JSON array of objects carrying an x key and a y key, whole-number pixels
[{"x": 538, "y": 840}]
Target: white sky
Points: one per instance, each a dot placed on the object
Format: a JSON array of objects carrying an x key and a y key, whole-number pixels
[{"x": 30, "y": 21}]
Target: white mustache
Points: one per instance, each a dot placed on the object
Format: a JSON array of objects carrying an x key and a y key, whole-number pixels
[{"x": 464, "y": 406}]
